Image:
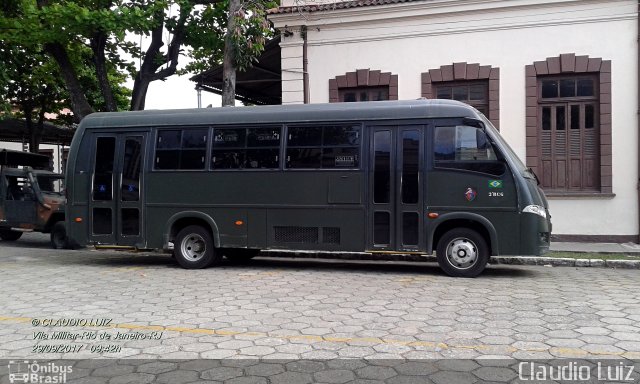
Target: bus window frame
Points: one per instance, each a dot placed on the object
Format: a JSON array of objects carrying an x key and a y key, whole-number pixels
[
  {"x": 357, "y": 123},
  {"x": 156, "y": 130},
  {"x": 210, "y": 167}
]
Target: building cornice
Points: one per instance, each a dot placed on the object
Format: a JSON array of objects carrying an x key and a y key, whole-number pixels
[
  {"x": 411, "y": 9},
  {"x": 452, "y": 31}
]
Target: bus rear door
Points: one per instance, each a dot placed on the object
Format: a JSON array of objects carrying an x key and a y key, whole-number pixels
[{"x": 115, "y": 207}]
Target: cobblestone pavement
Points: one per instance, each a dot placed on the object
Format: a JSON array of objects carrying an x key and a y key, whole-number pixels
[{"x": 320, "y": 310}]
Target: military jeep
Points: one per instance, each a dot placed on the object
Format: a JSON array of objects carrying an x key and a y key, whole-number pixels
[{"x": 31, "y": 198}]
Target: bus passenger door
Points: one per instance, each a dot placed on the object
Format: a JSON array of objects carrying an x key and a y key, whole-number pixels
[
  {"x": 396, "y": 198},
  {"x": 116, "y": 200}
]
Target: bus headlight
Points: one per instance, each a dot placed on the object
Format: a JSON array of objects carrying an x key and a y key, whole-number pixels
[{"x": 535, "y": 209}]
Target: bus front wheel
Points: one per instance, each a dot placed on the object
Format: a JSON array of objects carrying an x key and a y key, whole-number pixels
[
  {"x": 194, "y": 248},
  {"x": 462, "y": 252}
]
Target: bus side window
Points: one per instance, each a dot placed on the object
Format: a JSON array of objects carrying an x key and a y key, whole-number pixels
[
  {"x": 246, "y": 148},
  {"x": 323, "y": 147},
  {"x": 181, "y": 148},
  {"x": 465, "y": 148}
]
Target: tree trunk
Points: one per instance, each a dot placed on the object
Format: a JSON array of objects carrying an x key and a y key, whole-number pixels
[
  {"x": 79, "y": 103},
  {"x": 149, "y": 66},
  {"x": 153, "y": 59},
  {"x": 98, "y": 43},
  {"x": 36, "y": 135},
  {"x": 27, "y": 109},
  {"x": 36, "y": 132},
  {"x": 228, "y": 63},
  {"x": 139, "y": 94}
]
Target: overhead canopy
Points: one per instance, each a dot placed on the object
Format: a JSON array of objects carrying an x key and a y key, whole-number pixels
[
  {"x": 261, "y": 84},
  {"x": 16, "y": 130},
  {"x": 16, "y": 158}
]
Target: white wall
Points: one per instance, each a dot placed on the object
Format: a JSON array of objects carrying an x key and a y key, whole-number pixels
[{"x": 410, "y": 38}]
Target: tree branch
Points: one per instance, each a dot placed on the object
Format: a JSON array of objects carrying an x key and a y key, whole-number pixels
[{"x": 150, "y": 65}]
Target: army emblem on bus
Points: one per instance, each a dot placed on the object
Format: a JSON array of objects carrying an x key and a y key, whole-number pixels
[{"x": 470, "y": 194}]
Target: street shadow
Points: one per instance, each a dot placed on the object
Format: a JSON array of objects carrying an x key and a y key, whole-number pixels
[
  {"x": 266, "y": 263},
  {"x": 29, "y": 240},
  {"x": 396, "y": 267}
]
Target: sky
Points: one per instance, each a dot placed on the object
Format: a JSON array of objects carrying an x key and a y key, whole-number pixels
[{"x": 177, "y": 92}]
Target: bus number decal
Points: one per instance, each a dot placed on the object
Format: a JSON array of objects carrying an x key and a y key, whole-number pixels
[{"x": 345, "y": 161}]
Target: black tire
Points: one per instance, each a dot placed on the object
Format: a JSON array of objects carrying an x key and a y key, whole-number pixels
[
  {"x": 59, "y": 236},
  {"x": 240, "y": 255},
  {"x": 462, "y": 252},
  {"x": 9, "y": 235},
  {"x": 194, "y": 249}
]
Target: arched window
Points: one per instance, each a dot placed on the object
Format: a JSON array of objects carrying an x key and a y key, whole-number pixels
[
  {"x": 363, "y": 85},
  {"x": 474, "y": 84}
]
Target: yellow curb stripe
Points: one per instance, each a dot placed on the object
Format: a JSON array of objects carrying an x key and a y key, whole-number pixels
[{"x": 16, "y": 319}]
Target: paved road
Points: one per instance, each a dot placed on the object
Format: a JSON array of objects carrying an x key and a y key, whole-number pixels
[{"x": 306, "y": 309}]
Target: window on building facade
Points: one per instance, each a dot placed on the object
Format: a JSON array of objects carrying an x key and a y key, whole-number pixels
[
  {"x": 364, "y": 94},
  {"x": 363, "y": 85},
  {"x": 472, "y": 83},
  {"x": 569, "y": 133},
  {"x": 474, "y": 93},
  {"x": 569, "y": 124}
]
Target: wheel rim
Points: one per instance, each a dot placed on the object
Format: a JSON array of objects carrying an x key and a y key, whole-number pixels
[
  {"x": 462, "y": 253},
  {"x": 193, "y": 247}
]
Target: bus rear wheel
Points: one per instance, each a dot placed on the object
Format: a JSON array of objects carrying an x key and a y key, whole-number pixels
[
  {"x": 462, "y": 252},
  {"x": 9, "y": 235},
  {"x": 194, "y": 248}
]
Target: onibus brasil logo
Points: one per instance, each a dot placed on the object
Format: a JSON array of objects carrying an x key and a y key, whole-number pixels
[{"x": 26, "y": 371}]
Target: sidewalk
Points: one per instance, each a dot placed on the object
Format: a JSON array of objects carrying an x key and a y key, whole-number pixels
[
  {"x": 630, "y": 249},
  {"x": 627, "y": 248}
]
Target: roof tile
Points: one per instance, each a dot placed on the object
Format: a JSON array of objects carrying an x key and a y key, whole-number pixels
[{"x": 333, "y": 6}]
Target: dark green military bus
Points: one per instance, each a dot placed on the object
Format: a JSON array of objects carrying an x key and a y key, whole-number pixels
[{"x": 380, "y": 177}]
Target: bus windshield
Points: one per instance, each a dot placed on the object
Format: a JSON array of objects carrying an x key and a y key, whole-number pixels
[{"x": 520, "y": 167}]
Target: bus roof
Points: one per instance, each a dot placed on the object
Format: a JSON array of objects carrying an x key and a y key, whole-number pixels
[{"x": 293, "y": 113}]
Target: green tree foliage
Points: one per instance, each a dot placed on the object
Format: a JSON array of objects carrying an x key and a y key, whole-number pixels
[
  {"x": 66, "y": 30},
  {"x": 29, "y": 89}
]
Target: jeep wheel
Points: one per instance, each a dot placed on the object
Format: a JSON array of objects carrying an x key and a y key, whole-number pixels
[{"x": 59, "y": 236}]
